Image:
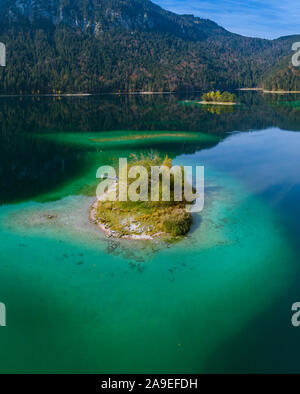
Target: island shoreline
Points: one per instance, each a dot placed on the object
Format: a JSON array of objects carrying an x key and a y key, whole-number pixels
[{"x": 114, "y": 234}]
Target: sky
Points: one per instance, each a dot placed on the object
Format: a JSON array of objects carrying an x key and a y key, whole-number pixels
[{"x": 253, "y": 18}]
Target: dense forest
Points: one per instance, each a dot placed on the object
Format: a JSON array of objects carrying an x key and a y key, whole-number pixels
[
  {"x": 284, "y": 76},
  {"x": 64, "y": 46}
]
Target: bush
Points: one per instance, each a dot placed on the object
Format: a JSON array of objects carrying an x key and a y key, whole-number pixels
[
  {"x": 178, "y": 226},
  {"x": 227, "y": 97}
]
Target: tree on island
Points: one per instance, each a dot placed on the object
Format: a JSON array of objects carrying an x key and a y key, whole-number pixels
[
  {"x": 158, "y": 211},
  {"x": 217, "y": 97}
]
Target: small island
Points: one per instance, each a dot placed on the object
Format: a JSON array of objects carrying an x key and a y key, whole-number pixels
[
  {"x": 218, "y": 98},
  {"x": 214, "y": 98},
  {"x": 143, "y": 220}
]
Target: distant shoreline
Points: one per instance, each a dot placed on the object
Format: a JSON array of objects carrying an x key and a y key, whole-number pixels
[
  {"x": 49, "y": 95},
  {"x": 85, "y": 94},
  {"x": 147, "y": 94},
  {"x": 271, "y": 91},
  {"x": 250, "y": 89},
  {"x": 282, "y": 91}
]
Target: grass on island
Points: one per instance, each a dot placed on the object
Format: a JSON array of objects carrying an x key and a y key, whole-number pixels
[{"x": 147, "y": 217}]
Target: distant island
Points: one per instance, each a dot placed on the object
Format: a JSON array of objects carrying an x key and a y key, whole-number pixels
[
  {"x": 216, "y": 98},
  {"x": 143, "y": 220}
]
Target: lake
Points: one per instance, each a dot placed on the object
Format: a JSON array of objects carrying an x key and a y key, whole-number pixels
[{"x": 217, "y": 301}]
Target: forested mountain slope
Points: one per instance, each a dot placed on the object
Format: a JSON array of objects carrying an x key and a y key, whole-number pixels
[{"x": 124, "y": 45}]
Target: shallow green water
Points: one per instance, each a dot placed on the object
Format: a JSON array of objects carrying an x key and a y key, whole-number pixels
[{"x": 218, "y": 301}]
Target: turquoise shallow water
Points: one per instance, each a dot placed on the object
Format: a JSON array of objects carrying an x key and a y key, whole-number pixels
[{"x": 218, "y": 301}]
